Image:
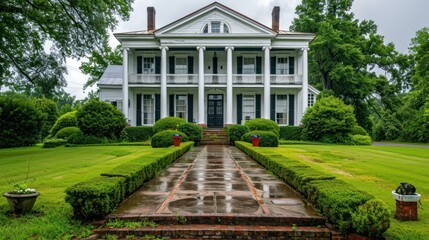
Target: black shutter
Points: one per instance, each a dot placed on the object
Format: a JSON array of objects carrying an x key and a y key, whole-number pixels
[
  {"x": 239, "y": 108},
  {"x": 258, "y": 106},
  {"x": 291, "y": 65},
  {"x": 190, "y": 65},
  {"x": 139, "y": 110},
  {"x": 291, "y": 109},
  {"x": 172, "y": 65},
  {"x": 273, "y": 65},
  {"x": 239, "y": 65},
  {"x": 258, "y": 65},
  {"x": 115, "y": 104},
  {"x": 190, "y": 108},
  {"x": 157, "y": 65},
  {"x": 157, "y": 107},
  {"x": 273, "y": 107},
  {"x": 171, "y": 105},
  {"x": 139, "y": 65}
]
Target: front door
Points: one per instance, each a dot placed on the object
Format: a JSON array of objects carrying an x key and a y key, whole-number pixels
[{"x": 215, "y": 110}]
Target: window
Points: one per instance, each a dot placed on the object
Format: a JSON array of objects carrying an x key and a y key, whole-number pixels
[
  {"x": 225, "y": 28},
  {"x": 281, "y": 66},
  {"x": 281, "y": 110},
  {"x": 248, "y": 107},
  {"x": 148, "y": 65},
  {"x": 181, "y": 65},
  {"x": 182, "y": 106},
  {"x": 117, "y": 104},
  {"x": 248, "y": 65},
  {"x": 215, "y": 27},
  {"x": 148, "y": 109},
  {"x": 310, "y": 100},
  {"x": 206, "y": 29}
]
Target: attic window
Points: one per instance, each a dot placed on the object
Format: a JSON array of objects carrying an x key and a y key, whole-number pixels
[{"x": 216, "y": 27}]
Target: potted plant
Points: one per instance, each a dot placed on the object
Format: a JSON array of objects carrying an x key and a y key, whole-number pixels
[
  {"x": 22, "y": 199},
  {"x": 255, "y": 140},
  {"x": 176, "y": 139},
  {"x": 406, "y": 201}
]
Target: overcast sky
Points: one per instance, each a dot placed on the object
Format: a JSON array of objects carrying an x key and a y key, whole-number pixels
[{"x": 397, "y": 20}]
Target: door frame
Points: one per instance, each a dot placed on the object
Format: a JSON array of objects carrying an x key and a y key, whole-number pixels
[{"x": 223, "y": 109}]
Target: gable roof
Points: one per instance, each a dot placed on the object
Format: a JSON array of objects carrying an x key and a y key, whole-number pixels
[{"x": 112, "y": 76}]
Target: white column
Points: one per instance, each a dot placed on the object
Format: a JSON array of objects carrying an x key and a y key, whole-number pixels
[
  {"x": 229, "y": 97},
  {"x": 304, "y": 79},
  {"x": 125, "y": 83},
  {"x": 267, "y": 83},
  {"x": 163, "y": 81},
  {"x": 201, "y": 110}
]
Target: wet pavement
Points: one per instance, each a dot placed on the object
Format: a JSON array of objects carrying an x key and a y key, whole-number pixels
[{"x": 219, "y": 180}]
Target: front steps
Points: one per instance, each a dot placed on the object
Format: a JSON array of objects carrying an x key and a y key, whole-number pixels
[{"x": 215, "y": 137}]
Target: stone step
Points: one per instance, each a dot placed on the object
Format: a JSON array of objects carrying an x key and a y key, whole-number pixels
[
  {"x": 214, "y": 142},
  {"x": 203, "y": 231}
]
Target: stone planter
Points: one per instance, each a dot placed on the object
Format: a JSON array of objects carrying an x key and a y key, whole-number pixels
[
  {"x": 406, "y": 206},
  {"x": 255, "y": 142},
  {"x": 21, "y": 203},
  {"x": 176, "y": 140}
]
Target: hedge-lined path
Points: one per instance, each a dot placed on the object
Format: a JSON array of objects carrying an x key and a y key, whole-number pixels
[{"x": 215, "y": 180}]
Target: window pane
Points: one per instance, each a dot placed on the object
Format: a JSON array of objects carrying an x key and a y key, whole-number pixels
[
  {"x": 206, "y": 28},
  {"x": 215, "y": 27},
  {"x": 281, "y": 109},
  {"x": 148, "y": 65},
  {"x": 248, "y": 107},
  {"x": 148, "y": 109},
  {"x": 282, "y": 66},
  {"x": 181, "y": 106},
  {"x": 249, "y": 66},
  {"x": 181, "y": 65},
  {"x": 225, "y": 28},
  {"x": 310, "y": 100}
]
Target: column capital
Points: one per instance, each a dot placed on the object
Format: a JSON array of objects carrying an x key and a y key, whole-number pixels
[
  {"x": 201, "y": 47},
  {"x": 163, "y": 47},
  {"x": 305, "y": 49},
  {"x": 266, "y": 47},
  {"x": 229, "y": 47}
]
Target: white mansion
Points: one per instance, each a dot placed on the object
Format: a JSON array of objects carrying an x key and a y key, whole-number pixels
[{"x": 213, "y": 67}]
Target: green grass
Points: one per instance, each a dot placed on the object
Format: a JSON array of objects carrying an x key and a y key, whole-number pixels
[
  {"x": 51, "y": 172},
  {"x": 378, "y": 171}
]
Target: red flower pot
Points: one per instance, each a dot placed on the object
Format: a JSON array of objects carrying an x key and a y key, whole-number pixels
[
  {"x": 255, "y": 142},
  {"x": 176, "y": 140}
]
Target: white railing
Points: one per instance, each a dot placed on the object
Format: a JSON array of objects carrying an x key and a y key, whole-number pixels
[
  {"x": 182, "y": 78},
  {"x": 286, "y": 79},
  {"x": 215, "y": 78},
  {"x": 247, "y": 78},
  {"x": 144, "y": 78}
]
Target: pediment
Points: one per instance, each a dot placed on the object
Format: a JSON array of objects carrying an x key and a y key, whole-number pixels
[{"x": 194, "y": 23}]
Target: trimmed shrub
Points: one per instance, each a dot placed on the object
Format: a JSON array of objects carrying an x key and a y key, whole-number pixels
[
  {"x": 20, "y": 122},
  {"x": 167, "y": 123},
  {"x": 138, "y": 134},
  {"x": 165, "y": 138},
  {"x": 50, "y": 109},
  {"x": 371, "y": 219},
  {"x": 66, "y": 120},
  {"x": 290, "y": 132},
  {"x": 192, "y": 130},
  {"x": 361, "y": 140},
  {"x": 358, "y": 130},
  {"x": 51, "y": 143},
  {"x": 100, "y": 119},
  {"x": 235, "y": 132},
  {"x": 66, "y": 132},
  {"x": 264, "y": 125},
  {"x": 80, "y": 138},
  {"x": 267, "y": 138}
]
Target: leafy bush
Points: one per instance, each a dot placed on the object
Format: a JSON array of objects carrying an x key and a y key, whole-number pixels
[
  {"x": 80, "y": 138},
  {"x": 290, "y": 132},
  {"x": 267, "y": 138},
  {"x": 66, "y": 120},
  {"x": 165, "y": 138},
  {"x": 358, "y": 130},
  {"x": 235, "y": 132},
  {"x": 361, "y": 140},
  {"x": 64, "y": 133},
  {"x": 138, "y": 134},
  {"x": 168, "y": 123},
  {"x": 20, "y": 122},
  {"x": 192, "y": 130},
  {"x": 50, "y": 109},
  {"x": 328, "y": 120},
  {"x": 264, "y": 125},
  {"x": 100, "y": 119},
  {"x": 371, "y": 219},
  {"x": 51, "y": 143}
]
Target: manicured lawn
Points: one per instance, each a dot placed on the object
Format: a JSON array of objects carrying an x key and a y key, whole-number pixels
[
  {"x": 51, "y": 172},
  {"x": 376, "y": 170}
]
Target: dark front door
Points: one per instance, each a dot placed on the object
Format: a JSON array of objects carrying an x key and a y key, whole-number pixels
[{"x": 215, "y": 110}]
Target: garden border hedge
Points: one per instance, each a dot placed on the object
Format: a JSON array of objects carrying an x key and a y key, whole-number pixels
[
  {"x": 99, "y": 196},
  {"x": 334, "y": 198}
]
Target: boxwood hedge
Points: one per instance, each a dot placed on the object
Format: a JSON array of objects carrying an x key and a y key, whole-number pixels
[
  {"x": 267, "y": 138},
  {"x": 138, "y": 134}
]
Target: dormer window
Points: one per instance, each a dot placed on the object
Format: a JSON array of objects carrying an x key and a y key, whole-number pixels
[{"x": 216, "y": 27}]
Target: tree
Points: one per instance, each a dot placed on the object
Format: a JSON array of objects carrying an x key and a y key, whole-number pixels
[
  {"x": 37, "y": 36},
  {"x": 50, "y": 110}
]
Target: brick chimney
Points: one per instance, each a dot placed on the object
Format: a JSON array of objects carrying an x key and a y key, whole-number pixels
[
  {"x": 275, "y": 19},
  {"x": 151, "y": 18}
]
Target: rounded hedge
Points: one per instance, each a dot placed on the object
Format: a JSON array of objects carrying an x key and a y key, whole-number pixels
[
  {"x": 267, "y": 138},
  {"x": 165, "y": 138},
  {"x": 235, "y": 132},
  {"x": 66, "y": 132},
  {"x": 358, "y": 130},
  {"x": 264, "y": 125},
  {"x": 167, "y": 123},
  {"x": 192, "y": 130},
  {"x": 66, "y": 120},
  {"x": 136, "y": 134},
  {"x": 100, "y": 119},
  {"x": 371, "y": 219}
]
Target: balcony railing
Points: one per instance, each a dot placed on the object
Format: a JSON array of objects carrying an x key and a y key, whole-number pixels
[
  {"x": 286, "y": 79},
  {"x": 247, "y": 78},
  {"x": 144, "y": 79},
  {"x": 215, "y": 78}
]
